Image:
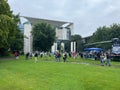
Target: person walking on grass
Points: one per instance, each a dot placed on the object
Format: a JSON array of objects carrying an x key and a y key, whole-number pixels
[
  {"x": 108, "y": 59},
  {"x": 36, "y": 56},
  {"x": 65, "y": 57},
  {"x": 27, "y": 55},
  {"x": 16, "y": 55},
  {"x": 58, "y": 56},
  {"x": 102, "y": 59}
]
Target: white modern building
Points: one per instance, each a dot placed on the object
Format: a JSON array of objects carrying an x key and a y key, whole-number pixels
[{"x": 63, "y": 31}]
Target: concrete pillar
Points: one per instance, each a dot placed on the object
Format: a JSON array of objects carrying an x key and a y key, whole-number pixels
[
  {"x": 74, "y": 46},
  {"x": 27, "y": 39},
  {"x": 29, "y": 44},
  {"x": 62, "y": 46},
  {"x": 55, "y": 46},
  {"x": 71, "y": 46}
]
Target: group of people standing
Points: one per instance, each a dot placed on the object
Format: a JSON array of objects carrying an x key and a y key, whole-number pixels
[
  {"x": 57, "y": 56},
  {"x": 29, "y": 55},
  {"x": 105, "y": 59}
]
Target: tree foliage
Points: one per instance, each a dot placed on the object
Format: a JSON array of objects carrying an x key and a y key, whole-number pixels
[
  {"x": 43, "y": 36},
  {"x": 78, "y": 40},
  {"x": 8, "y": 27},
  {"x": 5, "y": 8},
  {"x": 17, "y": 43},
  {"x": 106, "y": 33}
]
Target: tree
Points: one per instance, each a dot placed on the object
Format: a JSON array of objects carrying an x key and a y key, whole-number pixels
[
  {"x": 43, "y": 36},
  {"x": 8, "y": 27},
  {"x": 78, "y": 40},
  {"x": 17, "y": 43},
  {"x": 5, "y": 8},
  {"x": 114, "y": 31},
  {"x": 106, "y": 33}
]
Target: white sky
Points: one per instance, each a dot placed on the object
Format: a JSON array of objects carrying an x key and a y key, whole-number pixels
[{"x": 87, "y": 15}]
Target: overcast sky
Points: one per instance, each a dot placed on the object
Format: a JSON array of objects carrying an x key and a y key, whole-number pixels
[{"x": 87, "y": 15}]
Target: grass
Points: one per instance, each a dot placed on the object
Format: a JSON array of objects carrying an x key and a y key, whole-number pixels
[{"x": 49, "y": 75}]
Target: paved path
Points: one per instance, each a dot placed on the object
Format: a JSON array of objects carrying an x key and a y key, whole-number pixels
[
  {"x": 116, "y": 66},
  {"x": 7, "y": 58},
  {"x": 85, "y": 63}
]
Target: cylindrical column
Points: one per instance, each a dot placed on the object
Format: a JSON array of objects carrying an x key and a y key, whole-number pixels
[
  {"x": 71, "y": 46},
  {"x": 74, "y": 46},
  {"x": 62, "y": 46},
  {"x": 53, "y": 49},
  {"x": 55, "y": 46}
]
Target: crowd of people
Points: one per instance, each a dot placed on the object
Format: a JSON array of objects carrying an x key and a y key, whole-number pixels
[
  {"x": 103, "y": 57},
  {"x": 57, "y": 55}
]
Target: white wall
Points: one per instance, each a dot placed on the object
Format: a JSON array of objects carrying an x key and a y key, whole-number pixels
[
  {"x": 28, "y": 40},
  {"x": 61, "y": 34}
]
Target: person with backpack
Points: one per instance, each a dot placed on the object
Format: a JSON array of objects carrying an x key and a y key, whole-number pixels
[{"x": 65, "y": 57}]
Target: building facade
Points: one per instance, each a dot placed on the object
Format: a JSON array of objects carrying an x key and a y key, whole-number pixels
[{"x": 63, "y": 31}]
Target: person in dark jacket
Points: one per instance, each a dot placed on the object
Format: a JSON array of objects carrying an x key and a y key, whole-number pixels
[
  {"x": 27, "y": 55},
  {"x": 36, "y": 56},
  {"x": 108, "y": 59},
  {"x": 65, "y": 57}
]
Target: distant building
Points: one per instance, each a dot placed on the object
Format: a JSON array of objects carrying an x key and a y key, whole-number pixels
[
  {"x": 63, "y": 31},
  {"x": 86, "y": 39}
]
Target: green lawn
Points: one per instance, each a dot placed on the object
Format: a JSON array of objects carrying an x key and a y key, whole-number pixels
[{"x": 49, "y": 75}]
